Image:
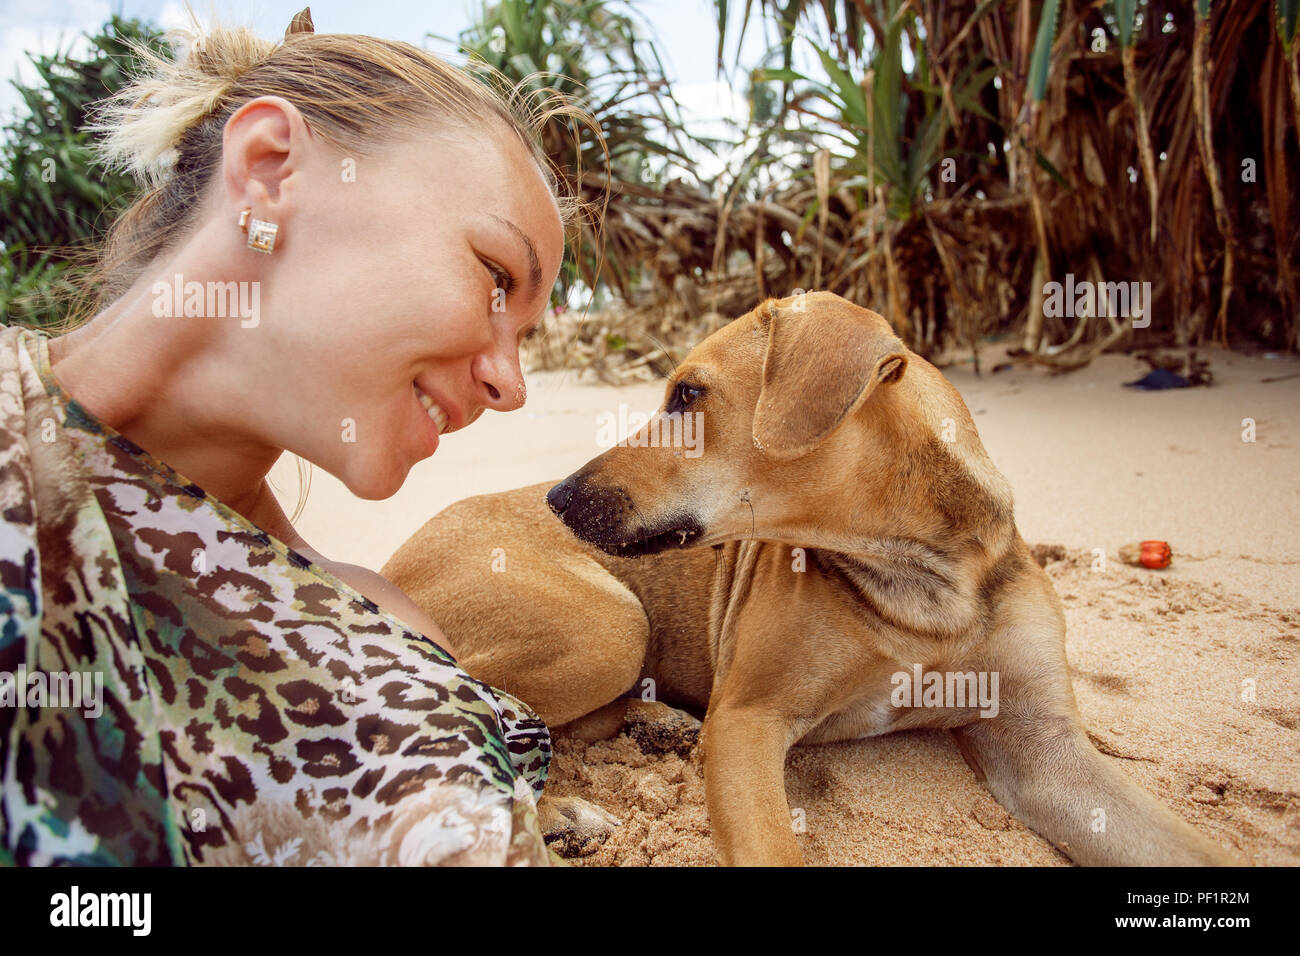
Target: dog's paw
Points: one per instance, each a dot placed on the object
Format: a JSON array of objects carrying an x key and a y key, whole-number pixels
[
  {"x": 659, "y": 729},
  {"x": 573, "y": 827}
]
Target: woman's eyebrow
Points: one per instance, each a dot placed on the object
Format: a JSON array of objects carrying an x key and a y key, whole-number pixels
[{"x": 534, "y": 266}]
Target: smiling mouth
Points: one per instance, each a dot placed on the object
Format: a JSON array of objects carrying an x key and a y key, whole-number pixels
[{"x": 434, "y": 410}]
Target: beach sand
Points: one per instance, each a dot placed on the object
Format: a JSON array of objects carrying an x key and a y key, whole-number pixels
[{"x": 1189, "y": 677}]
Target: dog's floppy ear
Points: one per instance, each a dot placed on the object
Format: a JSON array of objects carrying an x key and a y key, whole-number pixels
[{"x": 822, "y": 362}]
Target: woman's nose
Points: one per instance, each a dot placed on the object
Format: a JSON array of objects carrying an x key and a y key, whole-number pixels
[{"x": 502, "y": 379}]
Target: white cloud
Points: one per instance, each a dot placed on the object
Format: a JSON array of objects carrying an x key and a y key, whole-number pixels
[
  {"x": 175, "y": 16},
  {"x": 706, "y": 108},
  {"x": 712, "y": 101},
  {"x": 41, "y": 30}
]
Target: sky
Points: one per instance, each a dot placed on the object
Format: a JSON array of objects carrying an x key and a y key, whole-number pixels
[{"x": 685, "y": 31}]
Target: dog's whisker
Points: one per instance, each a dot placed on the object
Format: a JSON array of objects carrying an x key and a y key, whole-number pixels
[{"x": 667, "y": 354}]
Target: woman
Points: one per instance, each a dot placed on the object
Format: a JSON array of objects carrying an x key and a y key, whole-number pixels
[{"x": 344, "y": 242}]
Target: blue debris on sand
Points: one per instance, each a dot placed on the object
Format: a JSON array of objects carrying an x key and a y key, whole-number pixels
[{"x": 1158, "y": 379}]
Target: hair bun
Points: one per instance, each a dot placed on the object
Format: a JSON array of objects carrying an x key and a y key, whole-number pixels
[
  {"x": 301, "y": 23},
  {"x": 143, "y": 123}
]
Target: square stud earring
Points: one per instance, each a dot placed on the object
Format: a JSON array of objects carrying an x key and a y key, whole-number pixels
[{"x": 261, "y": 234}]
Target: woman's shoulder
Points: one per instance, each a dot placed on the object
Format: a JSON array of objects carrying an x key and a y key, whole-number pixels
[{"x": 386, "y": 596}]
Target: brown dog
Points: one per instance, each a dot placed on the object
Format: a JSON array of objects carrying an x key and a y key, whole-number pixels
[{"x": 842, "y": 533}]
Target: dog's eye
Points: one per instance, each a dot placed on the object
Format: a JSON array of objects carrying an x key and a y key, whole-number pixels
[{"x": 683, "y": 396}]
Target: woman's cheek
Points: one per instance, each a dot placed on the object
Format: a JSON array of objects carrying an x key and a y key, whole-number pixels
[{"x": 465, "y": 320}]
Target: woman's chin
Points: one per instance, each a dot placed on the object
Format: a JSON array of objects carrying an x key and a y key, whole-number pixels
[{"x": 376, "y": 484}]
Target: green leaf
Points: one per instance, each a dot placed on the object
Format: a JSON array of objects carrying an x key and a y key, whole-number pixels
[
  {"x": 1042, "y": 55},
  {"x": 850, "y": 93},
  {"x": 887, "y": 96},
  {"x": 1125, "y": 17},
  {"x": 967, "y": 92},
  {"x": 1288, "y": 14},
  {"x": 925, "y": 149},
  {"x": 1046, "y": 165}
]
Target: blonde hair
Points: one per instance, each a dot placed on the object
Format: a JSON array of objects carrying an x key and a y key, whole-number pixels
[{"x": 355, "y": 92}]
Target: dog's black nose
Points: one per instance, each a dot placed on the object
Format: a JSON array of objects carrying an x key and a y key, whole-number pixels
[{"x": 560, "y": 496}]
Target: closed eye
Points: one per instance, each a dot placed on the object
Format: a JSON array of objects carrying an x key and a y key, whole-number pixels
[{"x": 501, "y": 278}]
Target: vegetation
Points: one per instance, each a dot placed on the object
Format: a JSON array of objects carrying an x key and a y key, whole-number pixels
[
  {"x": 1116, "y": 141},
  {"x": 947, "y": 160},
  {"x": 596, "y": 55},
  {"x": 939, "y": 162},
  {"x": 54, "y": 202}
]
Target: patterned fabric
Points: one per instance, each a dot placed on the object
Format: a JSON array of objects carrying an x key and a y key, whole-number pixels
[{"x": 253, "y": 709}]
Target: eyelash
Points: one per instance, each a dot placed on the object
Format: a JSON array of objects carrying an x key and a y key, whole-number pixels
[{"x": 501, "y": 277}]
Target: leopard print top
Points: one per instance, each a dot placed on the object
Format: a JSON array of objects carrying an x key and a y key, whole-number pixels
[{"x": 253, "y": 709}]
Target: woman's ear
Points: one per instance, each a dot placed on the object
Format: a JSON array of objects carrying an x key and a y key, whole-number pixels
[
  {"x": 822, "y": 362},
  {"x": 262, "y": 146}
]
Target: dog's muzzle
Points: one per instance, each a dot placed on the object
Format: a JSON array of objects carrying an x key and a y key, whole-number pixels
[{"x": 606, "y": 518}]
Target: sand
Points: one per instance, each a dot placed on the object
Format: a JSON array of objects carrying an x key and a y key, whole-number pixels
[{"x": 1160, "y": 660}]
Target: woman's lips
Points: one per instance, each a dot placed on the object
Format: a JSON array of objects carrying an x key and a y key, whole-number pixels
[{"x": 437, "y": 414}]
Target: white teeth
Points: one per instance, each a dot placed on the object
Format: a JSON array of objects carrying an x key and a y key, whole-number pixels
[
  {"x": 439, "y": 418},
  {"x": 435, "y": 411}
]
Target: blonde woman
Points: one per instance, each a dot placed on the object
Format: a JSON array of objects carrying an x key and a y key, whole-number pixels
[{"x": 187, "y": 680}]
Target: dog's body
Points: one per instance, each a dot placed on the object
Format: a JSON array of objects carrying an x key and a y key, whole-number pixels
[{"x": 858, "y": 531}]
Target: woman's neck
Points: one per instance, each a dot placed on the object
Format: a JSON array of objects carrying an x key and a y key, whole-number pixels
[{"x": 157, "y": 382}]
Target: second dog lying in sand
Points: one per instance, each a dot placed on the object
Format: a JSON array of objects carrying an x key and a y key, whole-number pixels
[{"x": 840, "y": 561}]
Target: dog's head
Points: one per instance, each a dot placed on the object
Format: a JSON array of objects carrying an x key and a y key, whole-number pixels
[{"x": 765, "y": 425}]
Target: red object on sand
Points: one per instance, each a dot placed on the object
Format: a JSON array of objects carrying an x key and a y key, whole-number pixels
[
  {"x": 1156, "y": 554},
  {"x": 1148, "y": 554}
]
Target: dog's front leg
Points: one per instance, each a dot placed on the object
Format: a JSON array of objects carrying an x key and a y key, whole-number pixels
[
  {"x": 785, "y": 660},
  {"x": 744, "y": 781}
]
